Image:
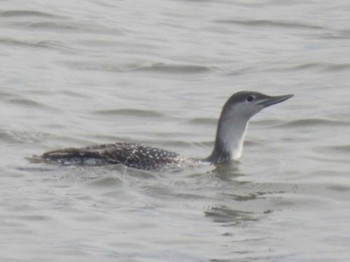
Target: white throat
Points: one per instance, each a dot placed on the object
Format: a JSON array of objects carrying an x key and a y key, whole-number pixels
[{"x": 231, "y": 134}]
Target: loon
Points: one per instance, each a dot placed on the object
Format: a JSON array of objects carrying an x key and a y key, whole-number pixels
[{"x": 231, "y": 129}]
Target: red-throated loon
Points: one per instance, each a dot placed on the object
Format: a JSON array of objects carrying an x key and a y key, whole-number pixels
[{"x": 231, "y": 129}]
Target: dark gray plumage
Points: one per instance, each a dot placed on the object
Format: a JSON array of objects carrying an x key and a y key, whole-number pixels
[
  {"x": 231, "y": 129},
  {"x": 132, "y": 155}
]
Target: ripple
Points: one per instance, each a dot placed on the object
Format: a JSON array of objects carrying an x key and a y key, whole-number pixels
[
  {"x": 153, "y": 68},
  {"x": 21, "y": 102},
  {"x": 336, "y": 34},
  {"x": 52, "y": 26},
  {"x": 203, "y": 121},
  {"x": 314, "y": 122},
  {"x": 4, "y": 95},
  {"x": 129, "y": 112},
  {"x": 7, "y": 136},
  {"x": 269, "y": 23},
  {"x": 29, "y": 103},
  {"x": 322, "y": 67},
  {"x": 176, "y": 69},
  {"x": 341, "y": 149},
  {"x": 26, "y": 13},
  {"x": 107, "y": 182},
  {"x": 33, "y": 44},
  {"x": 14, "y": 136},
  {"x": 224, "y": 214}
]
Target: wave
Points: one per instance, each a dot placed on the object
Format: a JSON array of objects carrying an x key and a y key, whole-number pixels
[
  {"x": 152, "y": 68},
  {"x": 172, "y": 68},
  {"x": 269, "y": 23},
  {"x": 314, "y": 122},
  {"x": 26, "y": 13},
  {"x": 129, "y": 112},
  {"x": 325, "y": 67}
]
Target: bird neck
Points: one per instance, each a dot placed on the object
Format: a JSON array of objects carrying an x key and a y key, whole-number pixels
[{"x": 229, "y": 139}]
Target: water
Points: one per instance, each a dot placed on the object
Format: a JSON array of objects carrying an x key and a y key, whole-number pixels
[{"x": 85, "y": 72}]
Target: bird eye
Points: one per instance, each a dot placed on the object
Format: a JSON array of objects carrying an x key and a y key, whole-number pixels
[{"x": 250, "y": 98}]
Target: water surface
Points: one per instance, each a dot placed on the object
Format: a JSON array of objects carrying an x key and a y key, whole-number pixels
[{"x": 85, "y": 72}]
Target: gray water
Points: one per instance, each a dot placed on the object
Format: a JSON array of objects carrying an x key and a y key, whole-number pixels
[{"x": 75, "y": 73}]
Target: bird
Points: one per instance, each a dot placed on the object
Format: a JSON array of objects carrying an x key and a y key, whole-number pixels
[{"x": 230, "y": 133}]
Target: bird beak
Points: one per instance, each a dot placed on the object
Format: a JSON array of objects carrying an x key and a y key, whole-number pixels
[{"x": 271, "y": 100}]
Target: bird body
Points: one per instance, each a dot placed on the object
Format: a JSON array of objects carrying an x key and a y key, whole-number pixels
[
  {"x": 129, "y": 154},
  {"x": 231, "y": 129}
]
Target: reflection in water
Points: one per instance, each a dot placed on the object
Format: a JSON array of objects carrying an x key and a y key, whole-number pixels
[
  {"x": 241, "y": 200},
  {"x": 227, "y": 171}
]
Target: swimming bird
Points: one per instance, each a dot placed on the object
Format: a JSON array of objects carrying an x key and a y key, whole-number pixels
[{"x": 231, "y": 129}]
